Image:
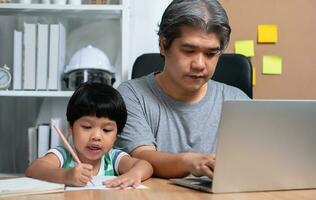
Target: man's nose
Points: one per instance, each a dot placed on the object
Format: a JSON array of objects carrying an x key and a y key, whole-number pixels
[{"x": 199, "y": 62}]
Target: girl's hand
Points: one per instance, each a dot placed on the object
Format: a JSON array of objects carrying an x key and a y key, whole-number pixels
[
  {"x": 124, "y": 181},
  {"x": 80, "y": 175}
]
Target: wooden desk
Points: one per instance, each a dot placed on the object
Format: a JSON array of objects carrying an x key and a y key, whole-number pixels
[{"x": 160, "y": 189}]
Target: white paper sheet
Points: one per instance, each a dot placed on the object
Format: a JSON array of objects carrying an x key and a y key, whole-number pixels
[{"x": 97, "y": 181}]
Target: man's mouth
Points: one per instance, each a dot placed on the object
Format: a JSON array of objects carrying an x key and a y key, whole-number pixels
[{"x": 196, "y": 76}]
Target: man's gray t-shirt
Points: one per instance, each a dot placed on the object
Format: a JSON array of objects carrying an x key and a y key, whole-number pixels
[{"x": 154, "y": 118}]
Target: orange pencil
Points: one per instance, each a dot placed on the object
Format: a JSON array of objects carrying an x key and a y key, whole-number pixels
[{"x": 73, "y": 153}]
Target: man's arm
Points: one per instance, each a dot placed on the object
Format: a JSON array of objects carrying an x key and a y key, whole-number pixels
[{"x": 172, "y": 165}]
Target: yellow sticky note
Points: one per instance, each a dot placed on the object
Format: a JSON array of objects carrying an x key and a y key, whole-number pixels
[
  {"x": 245, "y": 47},
  {"x": 254, "y": 78},
  {"x": 267, "y": 33},
  {"x": 272, "y": 65}
]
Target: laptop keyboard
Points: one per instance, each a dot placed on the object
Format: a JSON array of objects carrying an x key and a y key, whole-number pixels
[{"x": 204, "y": 182}]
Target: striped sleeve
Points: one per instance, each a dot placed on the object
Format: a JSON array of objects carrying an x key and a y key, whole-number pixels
[
  {"x": 61, "y": 154},
  {"x": 116, "y": 156}
]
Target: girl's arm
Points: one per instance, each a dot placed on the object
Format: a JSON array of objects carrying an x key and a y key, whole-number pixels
[{"x": 48, "y": 168}]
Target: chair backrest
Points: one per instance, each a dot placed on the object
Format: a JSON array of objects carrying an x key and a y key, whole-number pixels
[{"x": 231, "y": 69}]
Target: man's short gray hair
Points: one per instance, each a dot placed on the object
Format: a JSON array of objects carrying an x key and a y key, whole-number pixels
[{"x": 208, "y": 15}]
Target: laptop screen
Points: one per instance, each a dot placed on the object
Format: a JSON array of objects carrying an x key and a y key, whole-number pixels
[{"x": 266, "y": 145}]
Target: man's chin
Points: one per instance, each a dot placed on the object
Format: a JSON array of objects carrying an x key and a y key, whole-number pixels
[
  {"x": 194, "y": 88},
  {"x": 195, "y": 84}
]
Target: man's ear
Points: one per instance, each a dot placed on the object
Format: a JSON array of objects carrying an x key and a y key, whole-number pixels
[{"x": 162, "y": 44}]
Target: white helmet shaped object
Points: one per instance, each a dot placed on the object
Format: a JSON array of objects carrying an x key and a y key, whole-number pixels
[{"x": 88, "y": 64}]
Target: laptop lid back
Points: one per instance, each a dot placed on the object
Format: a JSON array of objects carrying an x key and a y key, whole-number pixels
[{"x": 266, "y": 145}]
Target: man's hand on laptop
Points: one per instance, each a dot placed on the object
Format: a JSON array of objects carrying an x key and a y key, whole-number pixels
[{"x": 200, "y": 164}]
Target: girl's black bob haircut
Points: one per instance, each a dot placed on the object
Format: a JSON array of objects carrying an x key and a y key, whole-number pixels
[{"x": 97, "y": 99}]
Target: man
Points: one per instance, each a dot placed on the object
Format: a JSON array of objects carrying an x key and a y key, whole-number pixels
[{"x": 173, "y": 115}]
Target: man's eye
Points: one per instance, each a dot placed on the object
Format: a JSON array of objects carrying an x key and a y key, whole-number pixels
[
  {"x": 212, "y": 54},
  {"x": 86, "y": 126},
  {"x": 188, "y": 50}
]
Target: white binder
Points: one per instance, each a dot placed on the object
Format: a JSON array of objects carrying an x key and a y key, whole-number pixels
[
  {"x": 43, "y": 132},
  {"x": 62, "y": 54},
  {"x": 53, "y": 57},
  {"x": 17, "y": 61},
  {"x": 54, "y": 137},
  {"x": 57, "y": 45},
  {"x": 32, "y": 143},
  {"x": 42, "y": 57},
  {"x": 29, "y": 56}
]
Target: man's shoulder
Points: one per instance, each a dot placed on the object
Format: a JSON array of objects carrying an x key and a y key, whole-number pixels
[
  {"x": 221, "y": 85},
  {"x": 138, "y": 82},
  {"x": 138, "y": 86},
  {"x": 228, "y": 91}
]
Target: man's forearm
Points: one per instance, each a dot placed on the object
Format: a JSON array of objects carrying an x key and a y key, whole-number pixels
[{"x": 165, "y": 165}]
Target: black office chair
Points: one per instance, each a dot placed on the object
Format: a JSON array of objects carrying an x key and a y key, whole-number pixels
[{"x": 232, "y": 69}]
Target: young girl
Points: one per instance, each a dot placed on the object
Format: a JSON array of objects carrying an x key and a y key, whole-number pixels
[{"x": 96, "y": 113}]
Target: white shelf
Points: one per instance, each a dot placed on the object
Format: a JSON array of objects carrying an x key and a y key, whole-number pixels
[
  {"x": 10, "y": 93},
  {"x": 12, "y": 8},
  {"x": 105, "y": 26}
]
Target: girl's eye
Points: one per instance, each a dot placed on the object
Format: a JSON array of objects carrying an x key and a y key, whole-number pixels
[
  {"x": 107, "y": 130},
  {"x": 86, "y": 126}
]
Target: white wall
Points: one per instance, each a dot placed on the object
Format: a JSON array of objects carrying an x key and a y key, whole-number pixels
[{"x": 145, "y": 17}]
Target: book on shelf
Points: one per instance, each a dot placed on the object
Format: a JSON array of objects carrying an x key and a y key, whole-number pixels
[
  {"x": 54, "y": 137},
  {"x": 17, "y": 60},
  {"x": 53, "y": 57},
  {"x": 29, "y": 56},
  {"x": 27, "y": 186},
  {"x": 57, "y": 45},
  {"x": 43, "y": 137},
  {"x": 42, "y": 57},
  {"x": 43, "y": 132},
  {"x": 32, "y": 143},
  {"x": 61, "y": 54}
]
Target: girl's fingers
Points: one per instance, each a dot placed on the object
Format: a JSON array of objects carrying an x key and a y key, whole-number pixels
[
  {"x": 127, "y": 183},
  {"x": 113, "y": 183},
  {"x": 122, "y": 183},
  {"x": 136, "y": 184}
]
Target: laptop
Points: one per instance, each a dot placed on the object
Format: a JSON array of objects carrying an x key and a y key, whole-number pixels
[{"x": 263, "y": 145}]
